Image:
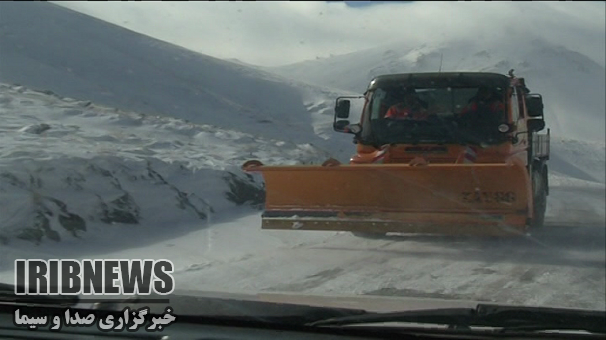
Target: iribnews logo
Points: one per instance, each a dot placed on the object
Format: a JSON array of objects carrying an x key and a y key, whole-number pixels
[{"x": 93, "y": 277}]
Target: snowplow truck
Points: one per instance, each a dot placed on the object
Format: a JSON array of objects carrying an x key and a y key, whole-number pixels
[{"x": 463, "y": 156}]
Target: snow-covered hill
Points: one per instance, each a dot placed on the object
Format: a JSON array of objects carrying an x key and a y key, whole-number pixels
[
  {"x": 572, "y": 84},
  {"x": 68, "y": 167},
  {"x": 78, "y": 56}
]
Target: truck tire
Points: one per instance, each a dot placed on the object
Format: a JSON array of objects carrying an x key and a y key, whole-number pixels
[{"x": 539, "y": 190}]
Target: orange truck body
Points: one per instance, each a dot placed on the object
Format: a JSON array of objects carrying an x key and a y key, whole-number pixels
[{"x": 421, "y": 187}]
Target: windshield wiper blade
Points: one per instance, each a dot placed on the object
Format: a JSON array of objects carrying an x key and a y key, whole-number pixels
[
  {"x": 513, "y": 318},
  {"x": 7, "y": 294},
  {"x": 432, "y": 316},
  {"x": 484, "y": 315}
]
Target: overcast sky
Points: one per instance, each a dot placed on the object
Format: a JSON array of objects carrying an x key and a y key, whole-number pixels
[{"x": 277, "y": 33}]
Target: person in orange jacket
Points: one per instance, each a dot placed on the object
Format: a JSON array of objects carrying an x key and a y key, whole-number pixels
[
  {"x": 484, "y": 102},
  {"x": 412, "y": 107},
  {"x": 484, "y": 112}
]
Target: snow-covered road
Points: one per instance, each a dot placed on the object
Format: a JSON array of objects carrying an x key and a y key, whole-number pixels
[{"x": 562, "y": 267}]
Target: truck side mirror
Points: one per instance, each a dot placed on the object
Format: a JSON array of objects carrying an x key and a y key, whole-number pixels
[
  {"x": 534, "y": 105},
  {"x": 535, "y": 125},
  {"x": 342, "y": 108}
]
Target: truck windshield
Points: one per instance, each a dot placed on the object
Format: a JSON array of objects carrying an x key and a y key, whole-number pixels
[{"x": 437, "y": 115}]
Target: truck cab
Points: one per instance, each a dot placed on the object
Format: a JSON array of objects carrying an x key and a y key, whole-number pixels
[
  {"x": 436, "y": 153},
  {"x": 452, "y": 118}
]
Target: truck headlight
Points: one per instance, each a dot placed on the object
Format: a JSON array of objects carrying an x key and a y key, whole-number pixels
[{"x": 503, "y": 128}]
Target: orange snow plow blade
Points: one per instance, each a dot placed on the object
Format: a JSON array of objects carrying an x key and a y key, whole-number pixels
[{"x": 474, "y": 199}]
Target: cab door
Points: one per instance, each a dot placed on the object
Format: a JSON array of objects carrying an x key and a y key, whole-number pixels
[{"x": 520, "y": 133}]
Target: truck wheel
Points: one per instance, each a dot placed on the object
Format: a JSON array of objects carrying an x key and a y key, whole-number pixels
[{"x": 540, "y": 200}]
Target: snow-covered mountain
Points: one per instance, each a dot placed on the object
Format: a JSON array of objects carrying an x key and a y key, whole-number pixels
[
  {"x": 68, "y": 167},
  {"x": 76, "y": 165},
  {"x": 78, "y": 56},
  {"x": 572, "y": 84}
]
